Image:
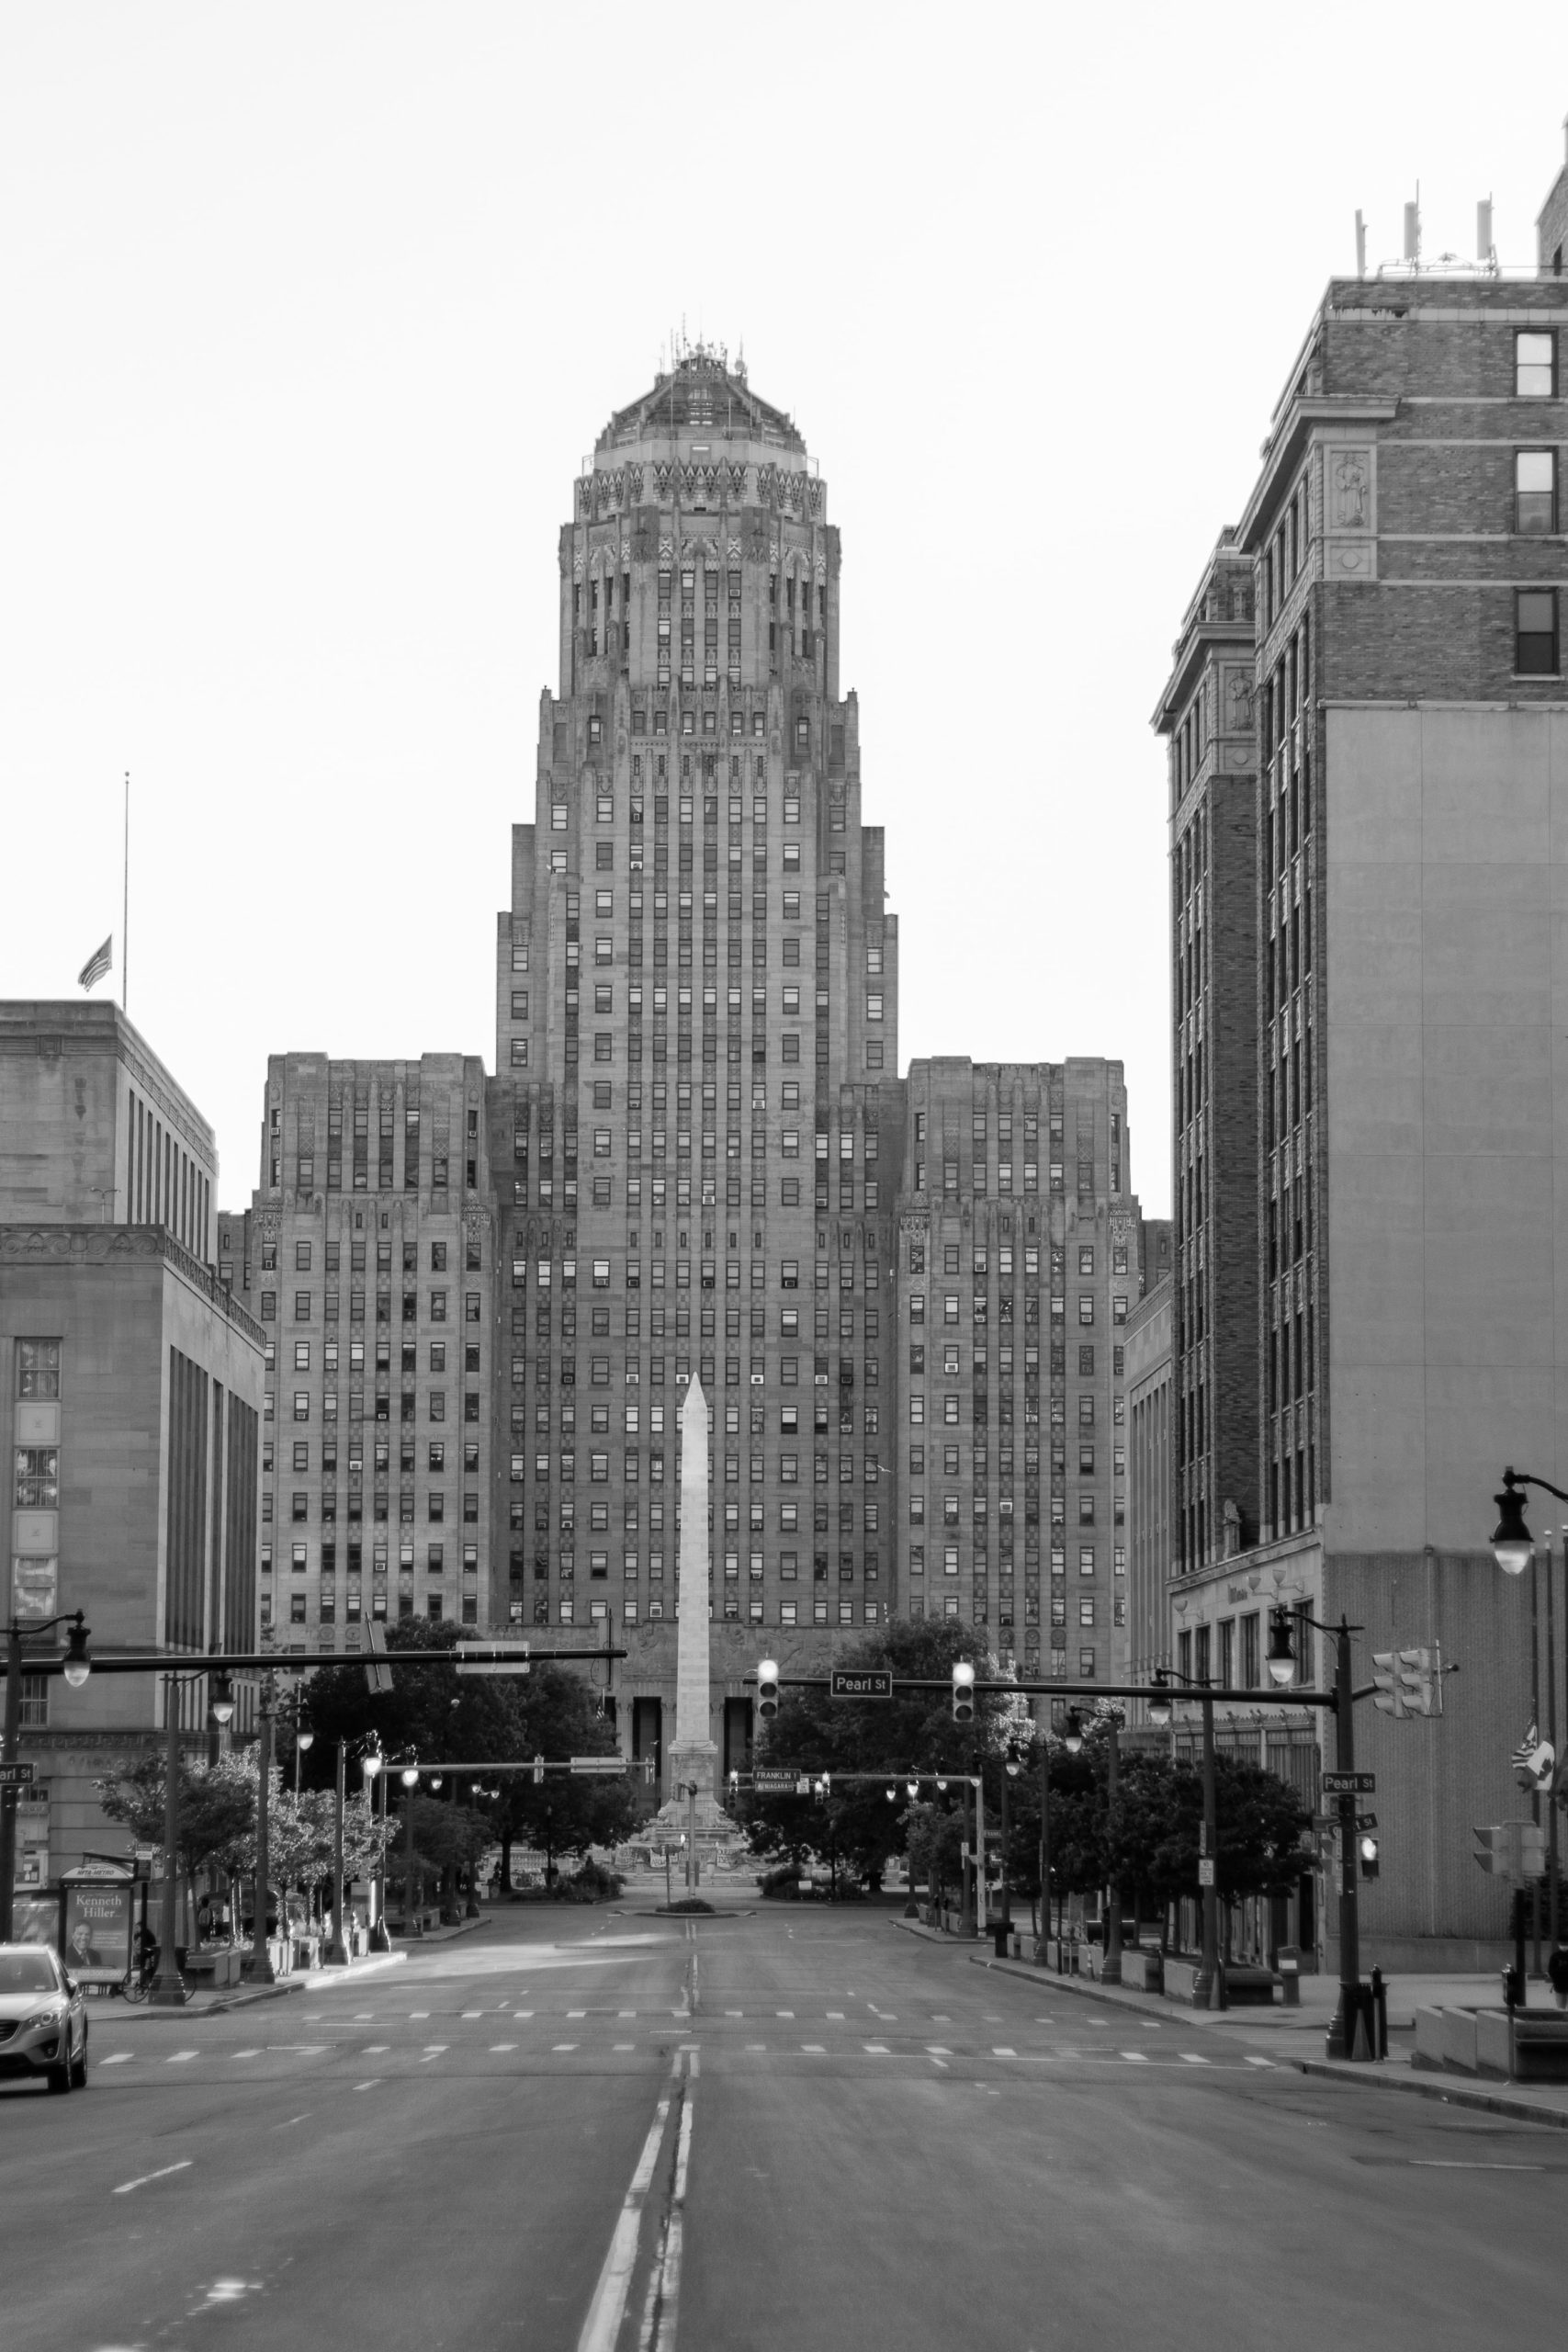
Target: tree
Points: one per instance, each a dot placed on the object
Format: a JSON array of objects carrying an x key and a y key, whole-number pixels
[
  {"x": 913, "y": 1732},
  {"x": 559, "y": 1717},
  {"x": 216, "y": 1812},
  {"x": 431, "y": 1711}
]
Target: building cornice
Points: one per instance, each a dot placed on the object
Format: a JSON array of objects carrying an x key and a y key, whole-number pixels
[
  {"x": 1282, "y": 451},
  {"x": 108, "y": 1245}
]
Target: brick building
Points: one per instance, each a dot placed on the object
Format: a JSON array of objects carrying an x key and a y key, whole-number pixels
[
  {"x": 1150, "y": 1483},
  {"x": 1409, "y": 738}
]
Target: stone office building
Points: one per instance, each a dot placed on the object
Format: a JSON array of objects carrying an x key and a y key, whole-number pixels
[
  {"x": 691, "y": 1161},
  {"x": 130, "y": 1400},
  {"x": 1408, "y": 735}
]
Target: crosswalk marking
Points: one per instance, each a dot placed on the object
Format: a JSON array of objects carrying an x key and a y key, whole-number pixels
[
  {"x": 369, "y": 2086},
  {"x": 938, "y": 2049},
  {"x": 876, "y": 2049},
  {"x": 473, "y": 2013},
  {"x": 623, "y": 2045},
  {"x": 1000, "y": 2052},
  {"x": 577, "y": 2013},
  {"x": 1191, "y": 2058},
  {"x": 433, "y": 2049},
  {"x": 625, "y": 2013},
  {"x": 564, "y": 2045},
  {"x": 734, "y": 2013},
  {"x": 1135, "y": 2057},
  {"x": 815, "y": 2049},
  {"x": 377, "y": 2049},
  {"x": 180, "y": 2057},
  {"x": 835, "y": 2017},
  {"x": 784, "y": 2013},
  {"x": 247, "y": 2053},
  {"x": 1260, "y": 2062},
  {"x": 118, "y": 2058},
  {"x": 756, "y": 2045},
  {"x": 496, "y": 2047},
  {"x": 418, "y": 2013},
  {"x": 518, "y": 2015}
]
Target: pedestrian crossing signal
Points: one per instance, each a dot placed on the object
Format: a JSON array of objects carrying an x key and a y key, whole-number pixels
[{"x": 1367, "y": 1855}]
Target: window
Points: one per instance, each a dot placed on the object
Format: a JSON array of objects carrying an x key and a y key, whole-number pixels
[
  {"x": 1535, "y": 491},
  {"x": 1535, "y": 632},
  {"x": 1535, "y": 365}
]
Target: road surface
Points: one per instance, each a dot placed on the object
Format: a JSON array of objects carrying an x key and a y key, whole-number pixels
[{"x": 591, "y": 2130}]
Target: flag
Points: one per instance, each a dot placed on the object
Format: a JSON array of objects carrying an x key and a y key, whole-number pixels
[
  {"x": 96, "y": 965},
  {"x": 1527, "y": 1746}
]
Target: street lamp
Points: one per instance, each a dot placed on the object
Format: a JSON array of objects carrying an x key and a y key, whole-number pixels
[
  {"x": 303, "y": 1740},
  {"x": 411, "y": 1782},
  {"x": 1513, "y": 1547},
  {"x": 1072, "y": 1736},
  {"x": 370, "y": 1764},
  {"x": 1159, "y": 1699},
  {"x": 1282, "y": 1658},
  {"x": 1355, "y": 2001},
  {"x": 78, "y": 1665},
  {"x": 168, "y": 1990}
]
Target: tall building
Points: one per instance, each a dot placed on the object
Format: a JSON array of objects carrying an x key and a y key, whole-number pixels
[
  {"x": 131, "y": 1401},
  {"x": 1014, "y": 1478},
  {"x": 1408, "y": 741},
  {"x": 368, "y": 1259},
  {"x": 1150, "y": 1439},
  {"x": 691, "y": 1162},
  {"x": 1206, "y": 713}
]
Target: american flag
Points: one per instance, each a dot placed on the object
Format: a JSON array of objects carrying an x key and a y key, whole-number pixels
[{"x": 96, "y": 965}]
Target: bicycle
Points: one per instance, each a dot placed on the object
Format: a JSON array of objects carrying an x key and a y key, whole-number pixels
[{"x": 137, "y": 1982}]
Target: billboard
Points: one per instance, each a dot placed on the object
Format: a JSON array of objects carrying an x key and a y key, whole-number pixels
[{"x": 100, "y": 1917}]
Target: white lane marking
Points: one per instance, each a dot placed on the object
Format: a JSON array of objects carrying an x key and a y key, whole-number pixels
[
  {"x": 431, "y": 2049},
  {"x": 1191, "y": 2058},
  {"x": 1002, "y": 2052},
  {"x": 1260, "y": 2062},
  {"x": 417, "y": 2013},
  {"x": 734, "y": 2013},
  {"x": 674, "y": 2236},
  {"x": 756, "y": 2045},
  {"x": 938, "y": 2049},
  {"x": 127, "y": 2186},
  {"x": 623, "y": 2045},
  {"x": 363, "y": 2016},
  {"x": 247, "y": 2053},
  {"x": 876, "y": 2049},
  {"x": 577, "y": 2013},
  {"x": 1453, "y": 2164},
  {"x": 815, "y": 2049},
  {"x": 563, "y": 2045},
  {"x": 377, "y": 2049},
  {"x": 603, "y": 2324},
  {"x": 1134, "y": 2057},
  {"x": 936, "y": 2061},
  {"x": 625, "y": 2013},
  {"x": 473, "y": 2013},
  {"x": 369, "y": 2086},
  {"x": 292, "y": 2121},
  {"x": 835, "y": 2017},
  {"x": 118, "y": 2058},
  {"x": 784, "y": 2013},
  {"x": 182, "y": 2057},
  {"x": 937, "y": 2018},
  {"x": 519, "y": 2015},
  {"x": 496, "y": 2046}
]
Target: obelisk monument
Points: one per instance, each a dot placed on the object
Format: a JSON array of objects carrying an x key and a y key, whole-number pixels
[{"x": 693, "y": 1752}]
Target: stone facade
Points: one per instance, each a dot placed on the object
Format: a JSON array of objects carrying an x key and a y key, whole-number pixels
[
  {"x": 1151, "y": 1421},
  {"x": 131, "y": 1401}
]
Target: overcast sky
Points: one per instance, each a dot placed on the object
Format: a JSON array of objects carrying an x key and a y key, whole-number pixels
[{"x": 311, "y": 313}]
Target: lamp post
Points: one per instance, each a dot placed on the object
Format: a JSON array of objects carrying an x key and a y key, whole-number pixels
[
  {"x": 256, "y": 1967},
  {"x": 168, "y": 1990},
  {"x": 1354, "y": 1998},
  {"x": 411, "y": 1782},
  {"x": 1113, "y": 1970},
  {"x": 78, "y": 1665},
  {"x": 1209, "y": 1991},
  {"x": 1009, "y": 1772},
  {"x": 337, "y": 1945},
  {"x": 303, "y": 1740},
  {"x": 1514, "y": 1550},
  {"x": 1044, "y": 1840},
  {"x": 370, "y": 1764}
]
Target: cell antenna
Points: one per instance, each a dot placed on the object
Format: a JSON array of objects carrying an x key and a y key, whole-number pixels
[
  {"x": 1413, "y": 228},
  {"x": 1360, "y": 245},
  {"x": 1483, "y": 246}
]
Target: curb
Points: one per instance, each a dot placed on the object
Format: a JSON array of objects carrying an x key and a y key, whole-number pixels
[{"x": 1446, "y": 2091}]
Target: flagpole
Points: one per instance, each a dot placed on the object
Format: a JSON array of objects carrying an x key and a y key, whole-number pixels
[{"x": 125, "y": 913}]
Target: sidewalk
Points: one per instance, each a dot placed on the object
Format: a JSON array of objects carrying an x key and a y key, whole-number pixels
[{"x": 1296, "y": 2037}]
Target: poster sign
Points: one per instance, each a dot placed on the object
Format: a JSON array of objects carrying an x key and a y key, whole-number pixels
[
  {"x": 99, "y": 1919},
  {"x": 35, "y": 1920},
  {"x": 35, "y": 1584}
]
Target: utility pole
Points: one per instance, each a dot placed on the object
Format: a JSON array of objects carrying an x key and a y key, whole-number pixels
[
  {"x": 337, "y": 1949},
  {"x": 9, "y": 1797},
  {"x": 1045, "y": 1840},
  {"x": 1210, "y": 1990}
]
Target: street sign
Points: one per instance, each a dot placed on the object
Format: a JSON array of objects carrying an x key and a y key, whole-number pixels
[
  {"x": 493, "y": 1658},
  {"x": 1366, "y": 1821},
  {"x": 593, "y": 1763},
  {"x": 871, "y": 1683},
  {"x": 1206, "y": 1870},
  {"x": 15, "y": 1776},
  {"x": 768, "y": 1781},
  {"x": 1349, "y": 1784},
  {"x": 378, "y": 1674}
]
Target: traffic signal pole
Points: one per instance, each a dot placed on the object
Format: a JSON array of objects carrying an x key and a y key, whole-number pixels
[{"x": 1342, "y": 2033}]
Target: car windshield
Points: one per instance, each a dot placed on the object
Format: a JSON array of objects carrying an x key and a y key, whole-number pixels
[{"x": 27, "y": 1972}]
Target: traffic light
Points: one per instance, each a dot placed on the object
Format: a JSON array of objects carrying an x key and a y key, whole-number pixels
[
  {"x": 1497, "y": 1849},
  {"x": 963, "y": 1692},
  {"x": 768, "y": 1688},
  {"x": 1389, "y": 1693},
  {"x": 1420, "y": 1685},
  {"x": 1367, "y": 1854},
  {"x": 1532, "y": 1849},
  {"x": 538, "y": 1770}
]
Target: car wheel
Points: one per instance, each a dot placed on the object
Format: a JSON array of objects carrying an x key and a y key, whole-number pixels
[
  {"x": 59, "y": 2078},
  {"x": 79, "y": 2065}
]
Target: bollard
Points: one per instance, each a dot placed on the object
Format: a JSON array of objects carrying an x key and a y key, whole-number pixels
[
  {"x": 1289, "y": 1963},
  {"x": 1380, "y": 2014}
]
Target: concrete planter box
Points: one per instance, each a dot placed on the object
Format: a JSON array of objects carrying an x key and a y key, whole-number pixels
[
  {"x": 1428, "y": 2039},
  {"x": 1458, "y": 2041},
  {"x": 1144, "y": 1971},
  {"x": 1180, "y": 1979}
]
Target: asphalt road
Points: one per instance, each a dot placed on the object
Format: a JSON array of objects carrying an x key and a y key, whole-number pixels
[{"x": 599, "y": 2131}]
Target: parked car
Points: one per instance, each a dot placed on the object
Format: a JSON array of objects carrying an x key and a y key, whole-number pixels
[{"x": 43, "y": 2019}]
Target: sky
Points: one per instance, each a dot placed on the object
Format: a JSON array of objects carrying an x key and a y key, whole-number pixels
[{"x": 311, "y": 314}]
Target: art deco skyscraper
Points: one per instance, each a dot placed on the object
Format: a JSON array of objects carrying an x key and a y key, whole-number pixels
[{"x": 696, "y": 1022}]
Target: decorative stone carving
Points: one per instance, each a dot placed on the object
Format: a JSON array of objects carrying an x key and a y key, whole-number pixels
[
  {"x": 1238, "y": 700},
  {"x": 736, "y": 483},
  {"x": 1349, "y": 491},
  {"x": 633, "y": 479}
]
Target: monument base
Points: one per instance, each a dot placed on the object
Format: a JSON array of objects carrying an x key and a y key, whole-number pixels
[{"x": 693, "y": 1764}]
